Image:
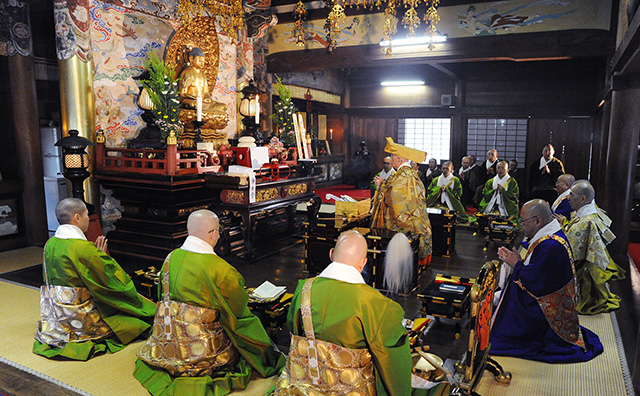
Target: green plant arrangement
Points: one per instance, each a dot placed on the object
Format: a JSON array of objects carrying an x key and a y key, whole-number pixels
[
  {"x": 162, "y": 87},
  {"x": 283, "y": 114}
]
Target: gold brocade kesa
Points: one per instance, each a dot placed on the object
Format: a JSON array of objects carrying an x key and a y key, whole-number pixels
[
  {"x": 317, "y": 367},
  {"x": 68, "y": 315},
  {"x": 187, "y": 340}
]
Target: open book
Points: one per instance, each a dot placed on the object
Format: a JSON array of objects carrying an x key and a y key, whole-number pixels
[{"x": 268, "y": 291}]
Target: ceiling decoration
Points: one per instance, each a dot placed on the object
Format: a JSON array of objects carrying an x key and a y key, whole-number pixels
[
  {"x": 299, "y": 14},
  {"x": 411, "y": 19},
  {"x": 229, "y": 13}
]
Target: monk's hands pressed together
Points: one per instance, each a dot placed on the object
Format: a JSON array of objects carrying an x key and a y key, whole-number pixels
[
  {"x": 101, "y": 243},
  {"x": 510, "y": 257}
]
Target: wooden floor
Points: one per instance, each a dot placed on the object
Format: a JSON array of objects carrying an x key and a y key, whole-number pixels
[{"x": 287, "y": 266}]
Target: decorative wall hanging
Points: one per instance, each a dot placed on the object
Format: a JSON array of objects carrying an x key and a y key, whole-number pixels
[{"x": 229, "y": 13}]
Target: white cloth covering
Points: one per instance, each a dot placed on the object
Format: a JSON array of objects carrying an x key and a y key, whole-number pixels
[
  {"x": 197, "y": 245},
  {"x": 496, "y": 199},
  {"x": 444, "y": 196},
  {"x": 69, "y": 231},
  {"x": 384, "y": 174},
  {"x": 544, "y": 162},
  {"x": 549, "y": 229},
  {"x": 587, "y": 209},
  {"x": 342, "y": 272}
]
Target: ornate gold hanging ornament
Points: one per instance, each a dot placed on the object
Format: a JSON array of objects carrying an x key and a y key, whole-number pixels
[
  {"x": 229, "y": 13},
  {"x": 337, "y": 17},
  {"x": 299, "y": 14},
  {"x": 431, "y": 17},
  {"x": 411, "y": 20}
]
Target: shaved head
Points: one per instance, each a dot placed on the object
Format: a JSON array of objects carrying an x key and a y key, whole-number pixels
[
  {"x": 565, "y": 182},
  {"x": 534, "y": 215},
  {"x": 202, "y": 224},
  {"x": 538, "y": 207},
  {"x": 582, "y": 193},
  {"x": 67, "y": 208},
  {"x": 351, "y": 249}
]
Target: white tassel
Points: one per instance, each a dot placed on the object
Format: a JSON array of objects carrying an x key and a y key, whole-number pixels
[{"x": 398, "y": 264}]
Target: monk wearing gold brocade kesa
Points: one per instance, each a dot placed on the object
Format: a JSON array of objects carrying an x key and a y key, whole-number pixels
[
  {"x": 399, "y": 202},
  {"x": 205, "y": 340},
  {"x": 354, "y": 332}
]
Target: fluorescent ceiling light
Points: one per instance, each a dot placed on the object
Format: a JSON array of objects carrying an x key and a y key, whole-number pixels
[
  {"x": 414, "y": 41},
  {"x": 401, "y": 83}
]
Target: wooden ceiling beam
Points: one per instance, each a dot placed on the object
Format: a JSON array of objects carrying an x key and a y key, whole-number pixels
[{"x": 565, "y": 44}]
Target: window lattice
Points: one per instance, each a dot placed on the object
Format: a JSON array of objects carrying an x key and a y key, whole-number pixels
[
  {"x": 432, "y": 135},
  {"x": 508, "y": 136}
]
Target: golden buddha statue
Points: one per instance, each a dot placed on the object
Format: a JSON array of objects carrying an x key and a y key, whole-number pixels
[{"x": 194, "y": 85}]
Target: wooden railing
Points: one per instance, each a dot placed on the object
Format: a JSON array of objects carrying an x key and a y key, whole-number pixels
[{"x": 169, "y": 162}]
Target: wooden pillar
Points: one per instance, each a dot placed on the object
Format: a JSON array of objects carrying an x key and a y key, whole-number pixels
[
  {"x": 75, "y": 67},
  {"x": 624, "y": 131},
  {"x": 28, "y": 148},
  {"x": 600, "y": 145}
]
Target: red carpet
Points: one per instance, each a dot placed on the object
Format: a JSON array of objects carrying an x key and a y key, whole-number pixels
[
  {"x": 470, "y": 210},
  {"x": 634, "y": 252},
  {"x": 342, "y": 189}
]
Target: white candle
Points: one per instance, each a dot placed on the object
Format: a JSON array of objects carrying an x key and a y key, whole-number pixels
[
  {"x": 257, "y": 110},
  {"x": 199, "y": 108},
  {"x": 330, "y": 134}
]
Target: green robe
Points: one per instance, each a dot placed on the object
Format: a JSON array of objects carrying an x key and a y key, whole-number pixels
[
  {"x": 588, "y": 236},
  {"x": 399, "y": 205},
  {"x": 509, "y": 197},
  {"x": 453, "y": 190},
  {"x": 79, "y": 263},
  {"x": 358, "y": 316},
  {"x": 206, "y": 280}
]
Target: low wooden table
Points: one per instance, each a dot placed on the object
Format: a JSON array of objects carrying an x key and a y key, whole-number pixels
[
  {"x": 445, "y": 304},
  {"x": 321, "y": 235},
  {"x": 272, "y": 197}
]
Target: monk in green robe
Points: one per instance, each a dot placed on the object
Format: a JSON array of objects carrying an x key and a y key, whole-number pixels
[
  {"x": 399, "y": 201},
  {"x": 588, "y": 236},
  {"x": 445, "y": 191},
  {"x": 73, "y": 261},
  {"x": 500, "y": 194},
  {"x": 347, "y": 313},
  {"x": 197, "y": 276}
]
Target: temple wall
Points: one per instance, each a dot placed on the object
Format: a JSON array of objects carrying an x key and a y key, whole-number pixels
[{"x": 122, "y": 38}]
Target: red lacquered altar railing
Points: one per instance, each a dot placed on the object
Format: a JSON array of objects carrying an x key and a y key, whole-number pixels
[{"x": 169, "y": 162}]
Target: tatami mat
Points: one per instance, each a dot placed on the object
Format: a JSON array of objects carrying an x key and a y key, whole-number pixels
[
  {"x": 20, "y": 258},
  {"x": 108, "y": 375},
  {"x": 602, "y": 375}
]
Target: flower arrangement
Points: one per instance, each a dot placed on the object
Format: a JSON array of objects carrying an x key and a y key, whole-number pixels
[
  {"x": 276, "y": 144},
  {"x": 283, "y": 114},
  {"x": 162, "y": 87}
]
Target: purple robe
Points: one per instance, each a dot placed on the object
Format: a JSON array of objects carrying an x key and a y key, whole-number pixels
[
  {"x": 564, "y": 208},
  {"x": 520, "y": 327}
]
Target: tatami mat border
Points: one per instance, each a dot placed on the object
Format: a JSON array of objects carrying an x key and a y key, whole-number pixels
[{"x": 44, "y": 377}]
